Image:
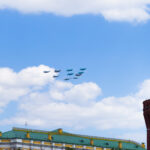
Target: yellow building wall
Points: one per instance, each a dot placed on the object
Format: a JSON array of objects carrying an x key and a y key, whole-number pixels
[
  {"x": 79, "y": 146},
  {"x": 36, "y": 142},
  {"x": 88, "y": 147},
  {"x": 56, "y": 144},
  {"x": 47, "y": 143},
  {"x": 5, "y": 141},
  {"x": 67, "y": 145},
  {"x": 143, "y": 145},
  {"x": 28, "y": 135},
  {"x": 25, "y": 141},
  {"x": 99, "y": 148},
  {"x": 120, "y": 145}
]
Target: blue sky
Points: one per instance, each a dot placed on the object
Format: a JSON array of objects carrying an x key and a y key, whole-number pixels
[{"x": 115, "y": 51}]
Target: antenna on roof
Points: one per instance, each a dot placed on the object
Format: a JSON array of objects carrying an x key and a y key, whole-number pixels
[{"x": 26, "y": 124}]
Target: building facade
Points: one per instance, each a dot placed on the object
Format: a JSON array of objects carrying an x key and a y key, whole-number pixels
[
  {"x": 146, "y": 112},
  {"x": 28, "y": 139}
]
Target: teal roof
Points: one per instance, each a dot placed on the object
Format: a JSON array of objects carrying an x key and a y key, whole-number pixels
[{"x": 19, "y": 133}]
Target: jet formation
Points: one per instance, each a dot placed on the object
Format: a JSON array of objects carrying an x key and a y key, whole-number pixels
[{"x": 69, "y": 73}]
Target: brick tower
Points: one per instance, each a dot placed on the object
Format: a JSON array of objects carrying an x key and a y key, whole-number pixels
[{"x": 146, "y": 112}]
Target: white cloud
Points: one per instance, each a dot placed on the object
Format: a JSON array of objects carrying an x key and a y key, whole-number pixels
[
  {"x": 106, "y": 114},
  {"x": 47, "y": 103},
  {"x": 112, "y": 10},
  {"x": 72, "y": 105},
  {"x": 77, "y": 94},
  {"x": 82, "y": 93},
  {"x": 137, "y": 136},
  {"x": 144, "y": 91},
  {"x": 15, "y": 85}
]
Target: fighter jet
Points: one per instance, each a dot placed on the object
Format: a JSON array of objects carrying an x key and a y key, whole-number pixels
[
  {"x": 82, "y": 69},
  {"x": 70, "y": 74},
  {"x": 46, "y": 71},
  {"x": 57, "y": 71},
  {"x": 66, "y": 79},
  {"x": 55, "y": 76},
  {"x": 78, "y": 74},
  {"x": 68, "y": 70}
]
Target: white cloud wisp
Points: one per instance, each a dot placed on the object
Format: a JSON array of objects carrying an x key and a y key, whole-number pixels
[{"x": 112, "y": 10}]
